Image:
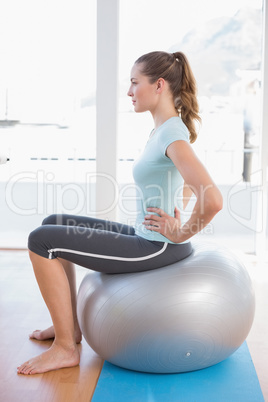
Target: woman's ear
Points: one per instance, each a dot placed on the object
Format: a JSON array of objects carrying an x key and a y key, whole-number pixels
[{"x": 160, "y": 84}]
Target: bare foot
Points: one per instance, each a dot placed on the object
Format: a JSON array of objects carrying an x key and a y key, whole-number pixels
[
  {"x": 54, "y": 358},
  {"x": 49, "y": 333}
]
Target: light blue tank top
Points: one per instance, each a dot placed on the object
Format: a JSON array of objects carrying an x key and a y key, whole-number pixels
[{"x": 158, "y": 182}]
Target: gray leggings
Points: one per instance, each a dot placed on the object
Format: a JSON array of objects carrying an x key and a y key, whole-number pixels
[{"x": 101, "y": 245}]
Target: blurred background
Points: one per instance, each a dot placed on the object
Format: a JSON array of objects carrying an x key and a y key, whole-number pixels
[{"x": 48, "y": 107}]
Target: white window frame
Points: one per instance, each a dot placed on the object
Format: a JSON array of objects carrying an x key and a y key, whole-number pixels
[
  {"x": 107, "y": 108},
  {"x": 261, "y": 236}
]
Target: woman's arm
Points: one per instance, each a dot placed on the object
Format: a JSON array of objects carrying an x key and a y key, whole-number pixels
[
  {"x": 187, "y": 194},
  {"x": 208, "y": 197}
]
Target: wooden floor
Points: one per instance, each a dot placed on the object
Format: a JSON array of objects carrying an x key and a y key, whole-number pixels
[{"x": 22, "y": 310}]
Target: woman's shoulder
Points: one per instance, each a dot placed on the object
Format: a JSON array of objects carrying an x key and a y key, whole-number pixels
[{"x": 174, "y": 128}]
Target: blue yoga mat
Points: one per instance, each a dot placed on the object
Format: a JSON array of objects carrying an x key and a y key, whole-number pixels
[{"x": 233, "y": 380}]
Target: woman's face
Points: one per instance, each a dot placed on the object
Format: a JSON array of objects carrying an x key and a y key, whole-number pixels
[{"x": 142, "y": 92}]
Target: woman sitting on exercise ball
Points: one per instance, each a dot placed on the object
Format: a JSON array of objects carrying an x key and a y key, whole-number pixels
[{"x": 163, "y": 84}]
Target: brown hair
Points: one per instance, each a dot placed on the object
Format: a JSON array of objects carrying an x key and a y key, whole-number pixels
[{"x": 176, "y": 70}]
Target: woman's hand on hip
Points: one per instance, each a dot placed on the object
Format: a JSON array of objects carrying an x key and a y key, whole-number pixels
[{"x": 159, "y": 221}]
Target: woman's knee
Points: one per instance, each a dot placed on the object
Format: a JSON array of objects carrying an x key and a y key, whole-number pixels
[
  {"x": 38, "y": 238},
  {"x": 53, "y": 219},
  {"x": 34, "y": 237}
]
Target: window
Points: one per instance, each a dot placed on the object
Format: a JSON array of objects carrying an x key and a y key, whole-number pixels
[
  {"x": 47, "y": 109},
  {"x": 223, "y": 41},
  {"x": 47, "y": 96},
  {"x": 47, "y": 90}
]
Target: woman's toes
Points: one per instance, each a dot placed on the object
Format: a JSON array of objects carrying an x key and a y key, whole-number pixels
[
  {"x": 21, "y": 368},
  {"x": 26, "y": 368},
  {"x": 34, "y": 334}
]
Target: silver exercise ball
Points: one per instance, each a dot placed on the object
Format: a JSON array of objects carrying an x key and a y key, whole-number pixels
[{"x": 182, "y": 317}]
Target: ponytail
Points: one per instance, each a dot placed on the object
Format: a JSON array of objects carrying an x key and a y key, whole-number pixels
[
  {"x": 176, "y": 70},
  {"x": 186, "y": 103}
]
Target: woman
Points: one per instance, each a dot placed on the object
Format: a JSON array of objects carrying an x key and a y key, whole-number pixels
[{"x": 163, "y": 84}]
